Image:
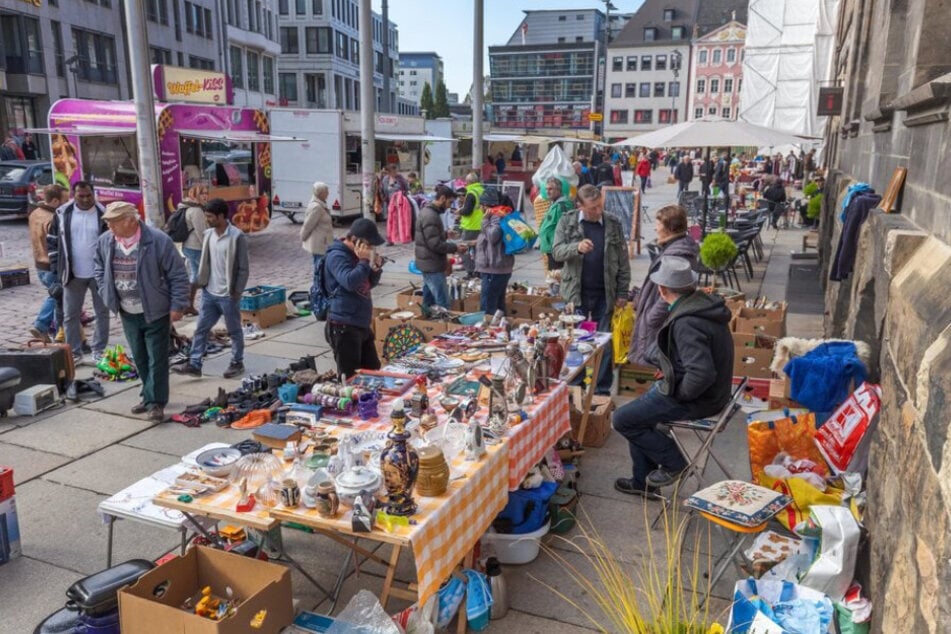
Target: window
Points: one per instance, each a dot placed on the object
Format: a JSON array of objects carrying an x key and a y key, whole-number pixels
[
  {"x": 728, "y": 85},
  {"x": 300, "y": 7},
  {"x": 579, "y": 38},
  {"x": 714, "y": 85},
  {"x": 669, "y": 15},
  {"x": 619, "y": 116},
  {"x": 660, "y": 62},
  {"x": 237, "y": 72},
  {"x": 189, "y": 17},
  {"x": 355, "y": 51},
  {"x": 289, "y": 43},
  {"x": 739, "y": 84},
  {"x": 701, "y": 85},
  {"x": 726, "y": 113},
  {"x": 160, "y": 55},
  {"x": 200, "y": 62},
  {"x": 317, "y": 6},
  {"x": 645, "y": 90},
  {"x": 562, "y": 18},
  {"x": 254, "y": 72},
  {"x": 659, "y": 87},
  {"x": 283, "y": 7},
  {"x": 181, "y": 58},
  {"x": 318, "y": 39},
  {"x": 717, "y": 56},
  {"x": 698, "y": 113},
  {"x": 673, "y": 89},
  {"x": 341, "y": 46},
  {"x": 664, "y": 116},
  {"x": 650, "y": 34},
  {"x": 712, "y": 111},
  {"x": 97, "y": 56},
  {"x": 677, "y": 33},
  {"x": 208, "y": 34},
  {"x": 643, "y": 116},
  {"x": 632, "y": 62},
  {"x": 251, "y": 15},
  {"x": 730, "y": 55},
  {"x": 630, "y": 90},
  {"x": 561, "y": 40},
  {"x": 268, "y": 74},
  {"x": 702, "y": 57},
  {"x": 315, "y": 90},
  {"x": 100, "y": 156},
  {"x": 646, "y": 62},
  {"x": 288, "y": 86},
  {"x": 617, "y": 64},
  {"x": 151, "y": 10},
  {"x": 176, "y": 14},
  {"x": 615, "y": 90},
  {"x": 58, "y": 48}
]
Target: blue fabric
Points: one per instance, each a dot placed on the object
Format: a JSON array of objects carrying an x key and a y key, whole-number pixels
[
  {"x": 193, "y": 258},
  {"x": 212, "y": 309},
  {"x": 493, "y": 292},
  {"x": 527, "y": 509},
  {"x": 854, "y": 190},
  {"x": 48, "y": 315},
  {"x": 823, "y": 378},
  {"x": 435, "y": 291}
]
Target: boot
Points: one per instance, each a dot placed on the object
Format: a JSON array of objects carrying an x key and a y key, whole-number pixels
[
  {"x": 60, "y": 335},
  {"x": 192, "y": 291}
]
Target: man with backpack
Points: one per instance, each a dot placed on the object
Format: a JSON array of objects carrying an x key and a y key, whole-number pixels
[{"x": 433, "y": 247}]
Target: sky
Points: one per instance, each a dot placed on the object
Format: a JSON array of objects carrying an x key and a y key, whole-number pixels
[{"x": 445, "y": 26}]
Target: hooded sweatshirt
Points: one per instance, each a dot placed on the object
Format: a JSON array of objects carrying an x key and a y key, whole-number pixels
[
  {"x": 694, "y": 350},
  {"x": 349, "y": 281}
]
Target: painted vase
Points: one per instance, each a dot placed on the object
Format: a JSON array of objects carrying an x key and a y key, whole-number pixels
[
  {"x": 433, "y": 477},
  {"x": 327, "y": 502},
  {"x": 555, "y": 355},
  {"x": 399, "y": 464}
]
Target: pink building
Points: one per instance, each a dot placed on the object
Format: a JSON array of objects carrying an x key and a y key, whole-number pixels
[{"x": 717, "y": 72}]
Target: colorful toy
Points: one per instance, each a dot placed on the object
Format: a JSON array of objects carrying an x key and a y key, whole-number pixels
[{"x": 116, "y": 365}]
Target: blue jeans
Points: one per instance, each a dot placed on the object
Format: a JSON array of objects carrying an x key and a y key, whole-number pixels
[
  {"x": 51, "y": 311},
  {"x": 213, "y": 308},
  {"x": 193, "y": 257},
  {"x": 435, "y": 291},
  {"x": 493, "y": 292},
  {"x": 637, "y": 422},
  {"x": 595, "y": 305}
]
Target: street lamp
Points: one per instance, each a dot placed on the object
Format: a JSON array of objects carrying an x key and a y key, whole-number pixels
[{"x": 675, "y": 59}]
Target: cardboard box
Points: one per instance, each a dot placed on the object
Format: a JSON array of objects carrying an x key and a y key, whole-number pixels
[
  {"x": 635, "y": 380},
  {"x": 6, "y": 483},
  {"x": 779, "y": 388},
  {"x": 752, "y": 362},
  {"x": 409, "y": 298},
  {"x": 762, "y": 326},
  {"x": 431, "y": 328},
  {"x": 599, "y": 420},
  {"x": 266, "y": 317},
  {"x": 9, "y": 531},
  {"x": 384, "y": 322},
  {"x": 520, "y": 305},
  {"x": 750, "y": 340},
  {"x": 472, "y": 303},
  {"x": 257, "y": 584}
]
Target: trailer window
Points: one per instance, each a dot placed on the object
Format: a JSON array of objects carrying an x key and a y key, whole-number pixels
[
  {"x": 226, "y": 167},
  {"x": 110, "y": 161}
]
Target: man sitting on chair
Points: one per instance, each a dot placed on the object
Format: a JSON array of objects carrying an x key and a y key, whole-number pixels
[{"x": 694, "y": 351}]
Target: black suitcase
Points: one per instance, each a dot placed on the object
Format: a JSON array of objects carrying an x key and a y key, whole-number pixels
[{"x": 42, "y": 364}]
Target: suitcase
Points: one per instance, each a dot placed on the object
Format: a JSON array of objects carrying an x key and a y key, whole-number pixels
[{"x": 41, "y": 363}]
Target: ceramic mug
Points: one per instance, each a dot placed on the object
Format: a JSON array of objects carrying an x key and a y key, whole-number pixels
[{"x": 290, "y": 493}]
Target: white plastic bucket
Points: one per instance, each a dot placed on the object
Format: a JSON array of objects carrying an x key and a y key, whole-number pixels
[{"x": 514, "y": 549}]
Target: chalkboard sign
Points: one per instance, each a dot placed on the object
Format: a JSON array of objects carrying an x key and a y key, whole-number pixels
[{"x": 619, "y": 202}]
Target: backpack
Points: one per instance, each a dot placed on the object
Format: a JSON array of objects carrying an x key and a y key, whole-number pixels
[
  {"x": 176, "y": 226},
  {"x": 319, "y": 298}
]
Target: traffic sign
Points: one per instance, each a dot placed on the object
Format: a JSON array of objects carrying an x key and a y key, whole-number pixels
[{"x": 596, "y": 116}]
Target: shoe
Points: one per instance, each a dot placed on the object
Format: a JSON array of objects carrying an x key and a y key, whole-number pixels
[
  {"x": 187, "y": 369},
  {"x": 86, "y": 348},
  {"x": 140, "y": 408},
  {"x": 235, "y": 369},
  {"x": 660, "y": 478},
  {"x": 36, "y": 333},
  {"x": 157, "y": 414},
  {"x": 60, "y": 336},
  {"x": 628, "y": 486}
]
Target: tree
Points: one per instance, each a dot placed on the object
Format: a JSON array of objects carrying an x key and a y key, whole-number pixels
[
  {"x": 426, "y": 101},
  {"x": 441, "y": 105}
]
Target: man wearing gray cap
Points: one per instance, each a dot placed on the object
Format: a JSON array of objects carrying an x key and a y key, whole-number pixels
[
  {"x": 694, "y": 351},
  {"x": 141, "y": 276}
]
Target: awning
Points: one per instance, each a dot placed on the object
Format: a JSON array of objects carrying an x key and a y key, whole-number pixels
[
  {"x": 84, "y": 130},
  {"x": 238, "y": 136},
  {"x": 386, "y": 136}
]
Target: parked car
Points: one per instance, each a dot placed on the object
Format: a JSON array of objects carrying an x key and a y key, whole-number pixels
[{"x": 21, "y": 185}]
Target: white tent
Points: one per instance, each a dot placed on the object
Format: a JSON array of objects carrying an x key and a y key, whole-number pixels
[{"x": 787, "y": 57}]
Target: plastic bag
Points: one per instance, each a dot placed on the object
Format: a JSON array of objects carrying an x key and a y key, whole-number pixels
[
  {"x": 517, "y": 234},
  {"x": 834, "y": 567},
  {"x": 418, "y": 619},
  {"x": 448, "y": 599},
  {"x": 622, "y": 331},
  {"x": 364, "y": 614},
  {"x": 804, "y": 496},
  {"x": 556, "y": 163},
  {"x": 845, "y": 437},
  {"x": 778, "y": 607},
  {"x": 794, "y": 435}
]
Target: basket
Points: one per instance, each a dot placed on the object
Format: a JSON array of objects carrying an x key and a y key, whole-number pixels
[{"x": 258, "y": 297}]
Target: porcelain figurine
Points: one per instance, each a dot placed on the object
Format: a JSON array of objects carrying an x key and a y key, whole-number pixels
[
  {"x": 326, "y": 501},
  {"x": 475, "y": 445},
  {"x": 399, "y": 464}
]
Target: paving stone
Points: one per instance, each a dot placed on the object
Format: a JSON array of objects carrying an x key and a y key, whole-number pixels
[
  {"x": 76, "y": 432},
  {"x": 174, "y": 441},
  {"x": 285, "y": 350},
  {"x": 30, "y": 590},
  {"x": 111, "y": 469},
  {"x": 29, "y": 463}
]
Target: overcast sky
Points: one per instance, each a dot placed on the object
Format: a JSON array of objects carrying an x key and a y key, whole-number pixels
[{"x": 445, "y": 26}]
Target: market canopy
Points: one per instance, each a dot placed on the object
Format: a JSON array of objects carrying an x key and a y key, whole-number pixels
[
  {"x": 392, "y": 136},
  {"x": 714, "y": 133},
  {"x": 238, "y": 136}
]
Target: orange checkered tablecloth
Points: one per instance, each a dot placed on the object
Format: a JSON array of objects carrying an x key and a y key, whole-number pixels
[{"x": 528, "y": 442}]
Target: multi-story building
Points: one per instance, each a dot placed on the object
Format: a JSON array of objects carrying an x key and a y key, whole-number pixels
[
  {"x": 716, "y": 71},
  {"x": 253, "y": 49},
  {"x": 417, "y": 70},
  {"x": 320, "y": 55},
  {"x": 545, "y": 76}
]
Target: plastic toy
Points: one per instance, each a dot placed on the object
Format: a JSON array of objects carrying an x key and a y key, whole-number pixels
[{"x": 116, "y": 365}]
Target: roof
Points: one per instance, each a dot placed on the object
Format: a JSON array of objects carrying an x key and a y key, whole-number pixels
[
  {"x": 712, "y": 14},
  {"x": 731, "y": 31},
  {"x": 419, "y": 54},
  {"x": 651, "y": 14}
]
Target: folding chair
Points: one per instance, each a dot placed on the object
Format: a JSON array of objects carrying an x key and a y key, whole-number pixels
[{"x": 705, "y": 430}]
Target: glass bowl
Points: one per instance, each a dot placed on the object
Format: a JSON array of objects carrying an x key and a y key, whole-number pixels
[{"x": 257, "y": 469}]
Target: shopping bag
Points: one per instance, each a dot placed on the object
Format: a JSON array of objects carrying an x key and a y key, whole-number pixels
[
  {"x": 834, "y": 566},
  {"x": 792, "y": 434},
  {"x": 448, "y": 599},
  {"x": 768, "y": 606},
  {"x": 622, "y": 331},
  {"x": 804, "y": 496},
  {"x": 844, "y": 438},
  {"x": 517, "y": 234}
]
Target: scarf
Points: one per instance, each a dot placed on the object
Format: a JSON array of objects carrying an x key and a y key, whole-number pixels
[{"x": 127, "y": 244}]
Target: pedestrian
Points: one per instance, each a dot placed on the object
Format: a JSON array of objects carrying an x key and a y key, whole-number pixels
[
  {"x": 809, "y": 167},
  {"x": 596, "y": 273},
  {"x": 317, "y": 231},
  {"x": 140, "y": 276},
  {"x": 353, "y": 270},
  {"x": 694, "y": 350},
  {"x": 561, "y": 203},
  {"x": 488, "y": 169},
  {"x": 775, "y": 196},
  {"x": 72, "y": 247},
  {"x": 414, "y": 185},
  {"x": 604, "y": 174},
  {"x": 40, "y": 222},
  {"x": 10, "y": 150},
  {"x": 491, "y": 262},
  {"x": 28, "y": 147},
  {"x": 433, "y": 247},
  {"x": 500, "y": 164},
  {"x": 684, "y": 175},
  {"x": 195, "y": 221},
  {"x": 721, "y": 179},
  {"x": 222, "y": 275},
  {"x": 391, "y": 181},
  {"x": 643, "y": 171},
  {"x": 470, "y": 217},
  {"x": 670, "y": 223},
  {"x": 584, "y": 176}
]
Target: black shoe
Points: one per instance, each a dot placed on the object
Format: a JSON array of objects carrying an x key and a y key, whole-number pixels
[
  {"x": 157, "y": 414},
  {"x": 140, "y": 408},
  {"x": 187, "y": 369},
  {"x": 628, "y": 486},
  {"x": 85, "y": 348},
  {"x": 235, "y": 369},
  {"x": 660, "y": 478}
]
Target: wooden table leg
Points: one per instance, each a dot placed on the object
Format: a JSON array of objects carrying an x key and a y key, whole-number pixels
[
  {"x": 595, "y": 361},
  {"x": 462, "y": 622},
  {"x": 390, "y": 573}
]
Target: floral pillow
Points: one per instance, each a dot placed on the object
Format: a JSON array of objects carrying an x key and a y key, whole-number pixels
[{"x": 739, "y": 502}]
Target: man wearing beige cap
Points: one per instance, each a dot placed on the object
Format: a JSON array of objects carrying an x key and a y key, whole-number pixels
[{"x": 142, "y": 278}]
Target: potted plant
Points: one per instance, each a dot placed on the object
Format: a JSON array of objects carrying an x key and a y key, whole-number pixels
[{"x": 717, "y": 250}]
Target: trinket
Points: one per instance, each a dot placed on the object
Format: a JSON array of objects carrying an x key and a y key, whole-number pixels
[
  {"x": 555, "y": 355},
  {"x": 419, "y": 402},
  {"x": 433, "y": 477},
  {"x": 290, "y": 494},
  {"x": 363, "y": 513},
  {"x": 399, "y": 464},
  {"x": 325, "y": 500},
  {"x": 475, "y": 445},
  {"x": 246, "y": 502}
]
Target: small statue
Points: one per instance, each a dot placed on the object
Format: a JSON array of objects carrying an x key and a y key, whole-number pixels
[
  {"x": 475, "y": 444},
  {"x": 419, "y": 403}
]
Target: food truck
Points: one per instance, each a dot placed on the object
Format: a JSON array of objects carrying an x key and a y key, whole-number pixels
[
  {"x": 203, "y": 141},
  {"x": 328, "y": 150}
]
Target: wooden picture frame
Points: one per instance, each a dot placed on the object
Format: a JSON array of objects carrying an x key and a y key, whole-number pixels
[
  {"x": 894, "y": 190},
  {"x": 624, "y": 204},
  {"x": 516, "y": 191}
]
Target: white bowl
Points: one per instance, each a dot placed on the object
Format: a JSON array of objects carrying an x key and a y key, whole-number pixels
[{"x": 218, "y": 462}]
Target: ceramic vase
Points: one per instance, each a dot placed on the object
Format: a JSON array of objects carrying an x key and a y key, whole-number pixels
[
  {"x": 399, "y": 464},
  {"x": 327, "y": 502},
  {"x": 555, "y": 355},
  {"x": 433, "y": 477}
]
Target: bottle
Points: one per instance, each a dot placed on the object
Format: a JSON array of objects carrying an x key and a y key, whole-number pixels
[{"x": 500, "y": 601}]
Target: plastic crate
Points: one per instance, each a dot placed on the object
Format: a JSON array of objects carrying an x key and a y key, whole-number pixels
[{"x": 258, "y": 297}]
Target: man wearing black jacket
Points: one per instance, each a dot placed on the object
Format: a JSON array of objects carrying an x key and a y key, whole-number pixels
[
  {"x": 694, "y": 351},
  {"x": 684, "y": 174},
  {"x": 432, "y": 247}
]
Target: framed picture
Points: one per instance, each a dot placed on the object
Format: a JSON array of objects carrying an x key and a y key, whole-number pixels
[
  {"x": 889, "y": 200},
  {"x": 624, "y": 204},
  {"x": 516, "y": 191}
]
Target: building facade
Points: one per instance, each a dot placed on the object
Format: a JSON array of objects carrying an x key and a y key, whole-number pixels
[
  {"x": 251, "y": 33},
  {"x": 716, "y": 73},
  {"x": 415, "y": 71},
  {"x": 320, "y": 56}
]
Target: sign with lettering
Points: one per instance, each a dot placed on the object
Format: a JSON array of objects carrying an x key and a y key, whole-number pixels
[
  {"x": 191, "y": 85},
  {"x": 830, "y": 101}
]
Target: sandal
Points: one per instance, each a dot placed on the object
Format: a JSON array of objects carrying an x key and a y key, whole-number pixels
[{"x": 188, "y": 420}]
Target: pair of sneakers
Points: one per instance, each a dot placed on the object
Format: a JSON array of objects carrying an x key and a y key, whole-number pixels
[
  {"x": 655, "y": 481},
  {"x": 187, "y": 369},
  {"x": 252, "y": 332}
]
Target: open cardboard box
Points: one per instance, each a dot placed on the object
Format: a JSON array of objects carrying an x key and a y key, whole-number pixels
[
  {"x": 752, "y": 362},
  {"x": 265, "y": 317},
  {"x": 152, "y": 605}
]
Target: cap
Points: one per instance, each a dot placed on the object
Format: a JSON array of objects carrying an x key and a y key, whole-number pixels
[
  {"x": 365, "y": 229},
  {"x": 674, "y": 272},
  {"x": 118, "y": 209}
]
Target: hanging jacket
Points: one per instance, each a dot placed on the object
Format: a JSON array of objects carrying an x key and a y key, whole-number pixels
[
  {"x": 399, "y": 220},
  {"x": 855, "y": 216},
  {"x": 471, "y": 217}
]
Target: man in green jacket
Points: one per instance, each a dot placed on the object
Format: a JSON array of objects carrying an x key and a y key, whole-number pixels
[
  {"x": 597, "y": 272},
  {"x": 470, "y": 217},
  {"x": 557, "y": 191}
]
